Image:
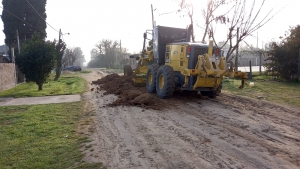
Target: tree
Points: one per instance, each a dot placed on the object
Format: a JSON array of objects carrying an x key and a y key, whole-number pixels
[
  {"x": 208, "y": 14},
  {"x": 188, "y": 8},
  {"x": 242, "y": 22},
  {"x": 72, "y": 55},
  {"x": 60, "y": 50},
  {"x": 37, "y": 60},
  {"x": 108, "y": 53},
  {"x": 26, "y": 16},
  {"x": 284, "y": 55}
]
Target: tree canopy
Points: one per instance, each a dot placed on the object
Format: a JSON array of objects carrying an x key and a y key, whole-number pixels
[
  {"x": 26, "y": 16},
  {"x": 109, "y": 54},
  {"x": 36, "y": 60},
  {"x": 73, "y": 55},
  {"x": 284, "y": 55},
  {"x": 240, "y": 17}
]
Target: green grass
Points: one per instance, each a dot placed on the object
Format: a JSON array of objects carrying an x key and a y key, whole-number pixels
[
  {"x": 271, "y": 90},
  {"x": 85, "y": 71},
  {"x": 113, "y": 70},
  {"x": 42, "y": 136},
  {"x": 66, "y": 85}
]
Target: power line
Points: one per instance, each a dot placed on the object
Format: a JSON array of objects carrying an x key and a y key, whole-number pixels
[
  {"x": 41, "y": 17},
  {"x": 22, "y": 20}
]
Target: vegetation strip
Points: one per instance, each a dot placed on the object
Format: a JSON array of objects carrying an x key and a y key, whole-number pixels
[
  {"x": 67, "y": 84},
  {"x": 267, "y": 88},
  {"x": 42, "y": 136}
]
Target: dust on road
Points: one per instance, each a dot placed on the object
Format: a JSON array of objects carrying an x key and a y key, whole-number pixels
[{"x": 190, "y": 132}]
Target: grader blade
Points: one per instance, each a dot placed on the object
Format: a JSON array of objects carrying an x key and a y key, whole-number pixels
[{"x": 139, "y": 81}]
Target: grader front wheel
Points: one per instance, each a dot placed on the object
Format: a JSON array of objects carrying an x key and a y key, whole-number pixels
[
  {"x": 165, "y": 83},
  {"x": 151, "y": 78}
]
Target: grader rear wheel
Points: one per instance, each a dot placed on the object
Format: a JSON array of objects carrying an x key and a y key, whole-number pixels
[
  {"x": 219, "y": 89},
  {"x": 165, "y": 83},
  {"x": 128, "y": 70},
  {"x": 151, "y": 78},
  {"x": 210, "y": 94}
]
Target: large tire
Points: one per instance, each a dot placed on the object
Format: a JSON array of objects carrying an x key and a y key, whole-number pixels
[
  {"x": 210, "y": 94},
  {"x": 219, "y": 89},
  {"x": 151, "y": 78},
  {"x": 128, "y": 70},
  {"x": 165, "y": 82}
]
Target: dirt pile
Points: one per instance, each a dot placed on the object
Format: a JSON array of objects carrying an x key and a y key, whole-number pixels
[{"x": 128, "y": 93}]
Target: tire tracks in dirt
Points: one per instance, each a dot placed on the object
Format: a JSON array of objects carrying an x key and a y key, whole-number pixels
[{"x": 227, "y": 132}]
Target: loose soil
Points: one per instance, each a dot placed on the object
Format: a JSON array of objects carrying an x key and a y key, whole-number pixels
[
  {"x": 130, "y": 95},
  {"x": 127, "y": 92},
  {"x": 228, "y": 132}
]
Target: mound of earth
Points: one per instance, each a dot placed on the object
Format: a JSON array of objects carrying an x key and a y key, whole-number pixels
[{"x": 130, "y": 95}]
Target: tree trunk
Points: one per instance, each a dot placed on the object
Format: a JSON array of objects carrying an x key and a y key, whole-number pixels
[
  {"x": 192, "y": 23},
  {"x": 58, "y": 70},
  {"x": 40, "y": 86},
  {"x": 57, "y": 73},
  {"x": 205, "y": 32}
]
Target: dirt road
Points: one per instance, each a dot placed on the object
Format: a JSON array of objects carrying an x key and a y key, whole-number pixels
[{"x": 226, "y": 132}]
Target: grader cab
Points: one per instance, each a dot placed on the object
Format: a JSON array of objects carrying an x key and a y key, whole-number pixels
[{"x": 173, "y": 62}]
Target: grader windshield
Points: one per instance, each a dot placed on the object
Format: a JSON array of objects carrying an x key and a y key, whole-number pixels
[{"x": 164, "y": 35}]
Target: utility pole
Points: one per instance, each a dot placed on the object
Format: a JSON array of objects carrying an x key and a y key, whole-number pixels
[
  {"x": 250, "y": 65},
  {"x": 12, "y": 50},
  {"x": 237, "y": 50},
  {"x": 59, "y": 35},
  {"x": 153, "y": 25},
  {"x": 18, "y": 41},
  {"x": 121, "y": 50},
  {"x": 260, "y": 53},
  {"x": 120, "y": 46},
  {"x": 257, "y": 41}
]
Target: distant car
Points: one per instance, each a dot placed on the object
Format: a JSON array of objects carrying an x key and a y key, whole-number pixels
[{"x": 73, "y": 68}]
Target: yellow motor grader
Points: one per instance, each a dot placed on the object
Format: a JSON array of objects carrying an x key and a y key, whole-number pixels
[{"x": 173, "y": 62}]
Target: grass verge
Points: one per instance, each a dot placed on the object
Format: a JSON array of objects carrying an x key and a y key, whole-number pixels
[
  {"x": 66, "y": 85},
  {"x": 86, "y": 71},
  {"x": 42, "y": 136},
  {"x": 271, "y": 90}
]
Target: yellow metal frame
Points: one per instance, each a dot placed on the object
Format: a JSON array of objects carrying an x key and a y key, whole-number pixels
[
  {"x": 142, "y": 67},
  {"x": 140, "y": 72},
  {"x": 208, "y": 70}
]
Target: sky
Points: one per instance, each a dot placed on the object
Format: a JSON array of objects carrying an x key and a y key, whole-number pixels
[{"x": 90, "y": 21}]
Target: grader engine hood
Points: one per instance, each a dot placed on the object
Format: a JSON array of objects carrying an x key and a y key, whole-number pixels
[{"x": 164, "y": 35}]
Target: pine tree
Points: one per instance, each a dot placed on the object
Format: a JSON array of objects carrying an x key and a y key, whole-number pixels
[{"x": 33, "y": 14}]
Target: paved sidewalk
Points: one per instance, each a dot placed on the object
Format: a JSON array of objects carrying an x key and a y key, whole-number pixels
[{"x": 39, "y": 100}]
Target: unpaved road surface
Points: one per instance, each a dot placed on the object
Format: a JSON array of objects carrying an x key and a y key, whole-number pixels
[{"x": 227, "y": 132}]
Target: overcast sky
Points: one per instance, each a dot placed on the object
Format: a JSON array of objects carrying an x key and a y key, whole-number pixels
[{"x": 89, "y": 21}]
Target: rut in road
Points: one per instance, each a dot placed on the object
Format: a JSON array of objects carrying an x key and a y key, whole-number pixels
[{"x": 227, "y": 132}]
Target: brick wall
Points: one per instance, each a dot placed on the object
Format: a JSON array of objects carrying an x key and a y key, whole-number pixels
[{"x": 7, "y": 76}]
